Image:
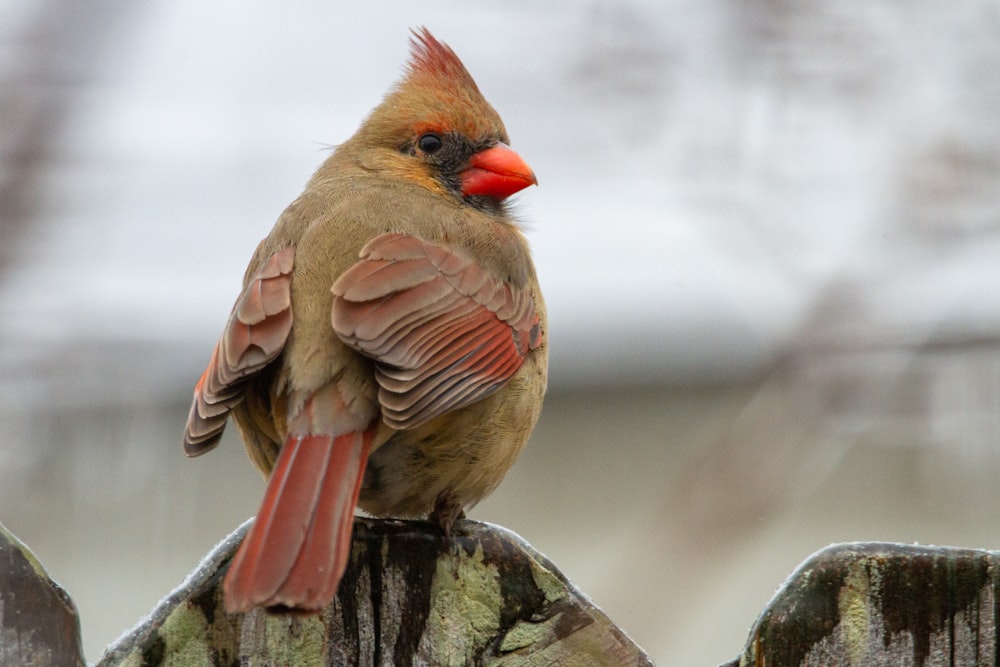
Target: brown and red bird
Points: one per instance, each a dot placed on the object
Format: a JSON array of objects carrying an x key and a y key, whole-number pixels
[{"x": 388, "y": 349}]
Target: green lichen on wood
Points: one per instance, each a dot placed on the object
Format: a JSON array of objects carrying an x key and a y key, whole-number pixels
[
  {"x": 29, "y": 556},
  {"x": 185, "y": 638},
  {"x": 525, "y": 634},
  {"x": 855, "y": 616},
  {"x": 867, "y": 604},
  {"x": 288, "y": 640},
  {"x": 38, "y": 620},
  {"x": 133, "y": 659},
  {"x": 409, "y": 596},
  {"x": 547, "y": 582},
  {"x": 465, "y": 608},
  {"x": 532, "y": 633}
]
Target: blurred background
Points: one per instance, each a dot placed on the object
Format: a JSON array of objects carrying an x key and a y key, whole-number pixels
[{"x": 768, "y": 234}]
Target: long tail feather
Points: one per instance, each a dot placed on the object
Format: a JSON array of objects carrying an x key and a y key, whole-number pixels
[{"x": 299, "y": 544}]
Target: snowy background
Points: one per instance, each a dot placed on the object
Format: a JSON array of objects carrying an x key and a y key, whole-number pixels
[{"x": 768, "y": 234}]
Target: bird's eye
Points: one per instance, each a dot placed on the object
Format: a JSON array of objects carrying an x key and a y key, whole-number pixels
[{"x": 429, "y": 143}]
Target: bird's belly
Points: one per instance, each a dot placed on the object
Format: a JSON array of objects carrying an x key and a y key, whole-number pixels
[
  {"x": 462, "y": 455},
  {"x": 407, "y": 475}
]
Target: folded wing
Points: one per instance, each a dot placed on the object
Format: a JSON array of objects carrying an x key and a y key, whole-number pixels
[
  {"x": 254, "y": 336},
  {"x": 442, "y": 330}
]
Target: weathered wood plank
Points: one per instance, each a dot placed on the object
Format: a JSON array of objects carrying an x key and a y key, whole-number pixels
[
  {"x": 39, "y": 625},
  {"x": 409, "y": 597},
  {"x": 882, "y": 604}
]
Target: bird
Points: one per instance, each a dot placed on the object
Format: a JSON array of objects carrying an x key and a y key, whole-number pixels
[{"x": 389, "y": 347}]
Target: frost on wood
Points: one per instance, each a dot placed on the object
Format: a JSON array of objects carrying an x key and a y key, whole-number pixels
[
  {"x": 39, "y": 625},
  {"x": 882, "y": 604},
  {"x": 410, "y": 596}
]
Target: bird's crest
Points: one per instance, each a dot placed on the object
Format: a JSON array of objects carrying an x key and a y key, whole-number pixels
[
  {"x": 436, "y": 93},
  {"x": 431, "y": 58}
]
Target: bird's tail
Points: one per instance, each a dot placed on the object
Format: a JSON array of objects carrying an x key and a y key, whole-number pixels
[{"x": 300, "y": 542}]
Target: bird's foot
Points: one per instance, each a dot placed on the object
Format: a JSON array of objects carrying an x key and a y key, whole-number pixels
[{"x": 447, "y": 510}]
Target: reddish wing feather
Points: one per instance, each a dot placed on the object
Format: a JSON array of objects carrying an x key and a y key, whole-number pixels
[
  {"x": 444, "y": 333},
  {"x": 253, "y": 338}
]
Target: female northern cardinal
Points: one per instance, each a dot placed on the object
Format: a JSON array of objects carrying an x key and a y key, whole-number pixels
[{"x": 388, "y": 348}]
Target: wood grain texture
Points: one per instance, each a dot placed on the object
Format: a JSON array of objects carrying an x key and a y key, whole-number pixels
[
  {"x": 39, "y": 625},
  {"x": 483, "y": 597},
  {"x": 409, "y": 596},
  {"x": 875, "y": 604}
]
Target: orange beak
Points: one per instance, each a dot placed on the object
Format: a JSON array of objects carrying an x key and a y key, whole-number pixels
[{"x": 496, "y": 172}]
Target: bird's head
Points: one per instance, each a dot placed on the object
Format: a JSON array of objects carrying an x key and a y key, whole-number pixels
[{"x": 434, "y": 127}]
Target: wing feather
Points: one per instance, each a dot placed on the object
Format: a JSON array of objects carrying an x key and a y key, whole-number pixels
[
  {"x": 443, "y": 331},
  {"x": 254, "y": 336}
]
